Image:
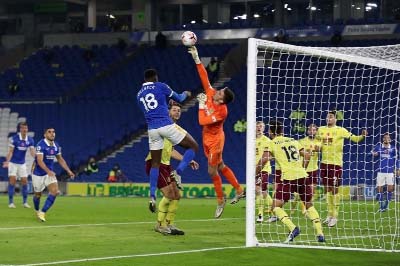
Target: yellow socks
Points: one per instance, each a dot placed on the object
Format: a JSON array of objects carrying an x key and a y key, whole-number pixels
[
  {"x": 268, "y": 199},
  {"x": 284, "y": 218},
  {"x": 173, "y": 206},
  {"x": 260, "y": 204},
  {"x": 336, "y": 205},
  {"x": 313, "y": 215},
  {"x": 162, "y": 210},
  {"x": 329, "y": 202}
]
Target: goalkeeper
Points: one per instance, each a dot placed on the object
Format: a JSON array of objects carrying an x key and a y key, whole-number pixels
[
  {"x": 167, "y": 182},
  {"x": 332, "y": 139},
  {"x": 212, "y": 114}
]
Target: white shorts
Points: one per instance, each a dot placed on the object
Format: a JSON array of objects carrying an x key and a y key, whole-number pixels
[
  {"x": 384, "y": 179},
  {"x": 39, "y": 183},
  {"x": 18, "y": 170},
  {"x": 173, "y": 133}
]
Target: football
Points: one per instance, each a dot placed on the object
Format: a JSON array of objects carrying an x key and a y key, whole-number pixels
[{"x": 189, "y": 38}]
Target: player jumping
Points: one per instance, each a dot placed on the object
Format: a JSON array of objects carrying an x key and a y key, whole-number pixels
[{"x": 212, "y": 114}]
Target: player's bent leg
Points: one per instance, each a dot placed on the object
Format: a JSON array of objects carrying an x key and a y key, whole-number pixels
[
  {"x": 282, "y": 195},
  {"x": 51, "y": 197},
  {"x": 230, "y": 176},
  {"x": 12, "y": 180},
  {"x": 188, "y": 142},
  {"x": 192, "y": 147}
]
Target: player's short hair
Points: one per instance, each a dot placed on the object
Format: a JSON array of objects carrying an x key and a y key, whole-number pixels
[
  {"x": 229, "y": 96},
  {"x": 47, "y": 128},
  {"x": 276, "y": 127},
  {"x": 333, "y": 112},
  {"x": 386, "y": 134},
  {"x": 173, "y": 103},
  {"x": 20, "y": 124},
  {"x": 260, "y": 122},
  {"x": 312, "y": 125},
  {"x": 150, "y": 74}
]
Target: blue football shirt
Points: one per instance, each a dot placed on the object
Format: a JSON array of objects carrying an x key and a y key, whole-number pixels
[
  {"x": 20, "y": 147},
  {"x": 387, "y": 158},
  {"x": 49, "y": 155},
  {"x": 152, "y": 99}
]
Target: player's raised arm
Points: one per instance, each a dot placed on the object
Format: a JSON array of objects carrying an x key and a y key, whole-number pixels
[
  {"x": 177, "y": 97},
  {"x": 205, "y": 82}
]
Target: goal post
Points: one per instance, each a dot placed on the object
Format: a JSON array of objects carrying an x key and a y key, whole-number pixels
[{"x": 298, "y": 85}]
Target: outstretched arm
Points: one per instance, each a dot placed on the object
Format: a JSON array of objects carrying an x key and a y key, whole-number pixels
[
  {"x": 205, "y": 82},
  {"x": 180, "y": 97},
  {"x": 355, "y": 138}
]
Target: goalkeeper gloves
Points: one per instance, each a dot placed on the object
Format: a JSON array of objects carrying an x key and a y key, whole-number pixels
[
  {"x": 202, "y": 98},
  {"x": 193, "y": 51}
]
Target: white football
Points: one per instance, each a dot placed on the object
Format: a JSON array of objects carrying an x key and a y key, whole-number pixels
[{"x": 189, "y": 38}]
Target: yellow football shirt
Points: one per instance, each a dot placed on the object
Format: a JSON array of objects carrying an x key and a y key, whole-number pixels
[
  {"x": 332, "y": 139},
  {"x": 310, "y": 146},
  {"x": 261, "y": 146},
  {"x": 286, "y": 153},
  {"x": 166, "y": 153}
]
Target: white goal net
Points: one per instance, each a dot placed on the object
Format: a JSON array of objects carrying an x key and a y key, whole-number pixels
[{"x": 299, "y": 86}]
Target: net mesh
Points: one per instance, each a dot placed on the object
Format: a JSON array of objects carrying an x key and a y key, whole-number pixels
[{"x": 298, "y": 86}]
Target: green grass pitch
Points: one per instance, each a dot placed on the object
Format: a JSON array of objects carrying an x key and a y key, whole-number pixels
[{"x": 119, "y": 231}]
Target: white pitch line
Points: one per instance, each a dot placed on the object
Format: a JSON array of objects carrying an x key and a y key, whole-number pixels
[
  {"x": 124, "y": 256},
  {"x": 346, "y": 237},
  {"x": 106, "y": 224}
]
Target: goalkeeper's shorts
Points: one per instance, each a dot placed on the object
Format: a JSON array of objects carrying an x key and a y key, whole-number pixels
[{"x": 213, "y": 149}]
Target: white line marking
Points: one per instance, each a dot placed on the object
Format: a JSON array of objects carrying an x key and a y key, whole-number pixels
[
  {"x": 347, "y": 237},
  {"x": 125, "y": 256},
  {"x": 105, "y": 224}
]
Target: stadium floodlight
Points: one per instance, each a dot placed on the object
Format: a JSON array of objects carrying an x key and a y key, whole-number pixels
[
  {"x": 372, "y": 4},
  {"x": 360, "y": 82}
]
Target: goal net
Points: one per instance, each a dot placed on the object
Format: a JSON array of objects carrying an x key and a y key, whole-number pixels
[{"x": 298, "y": 86}]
